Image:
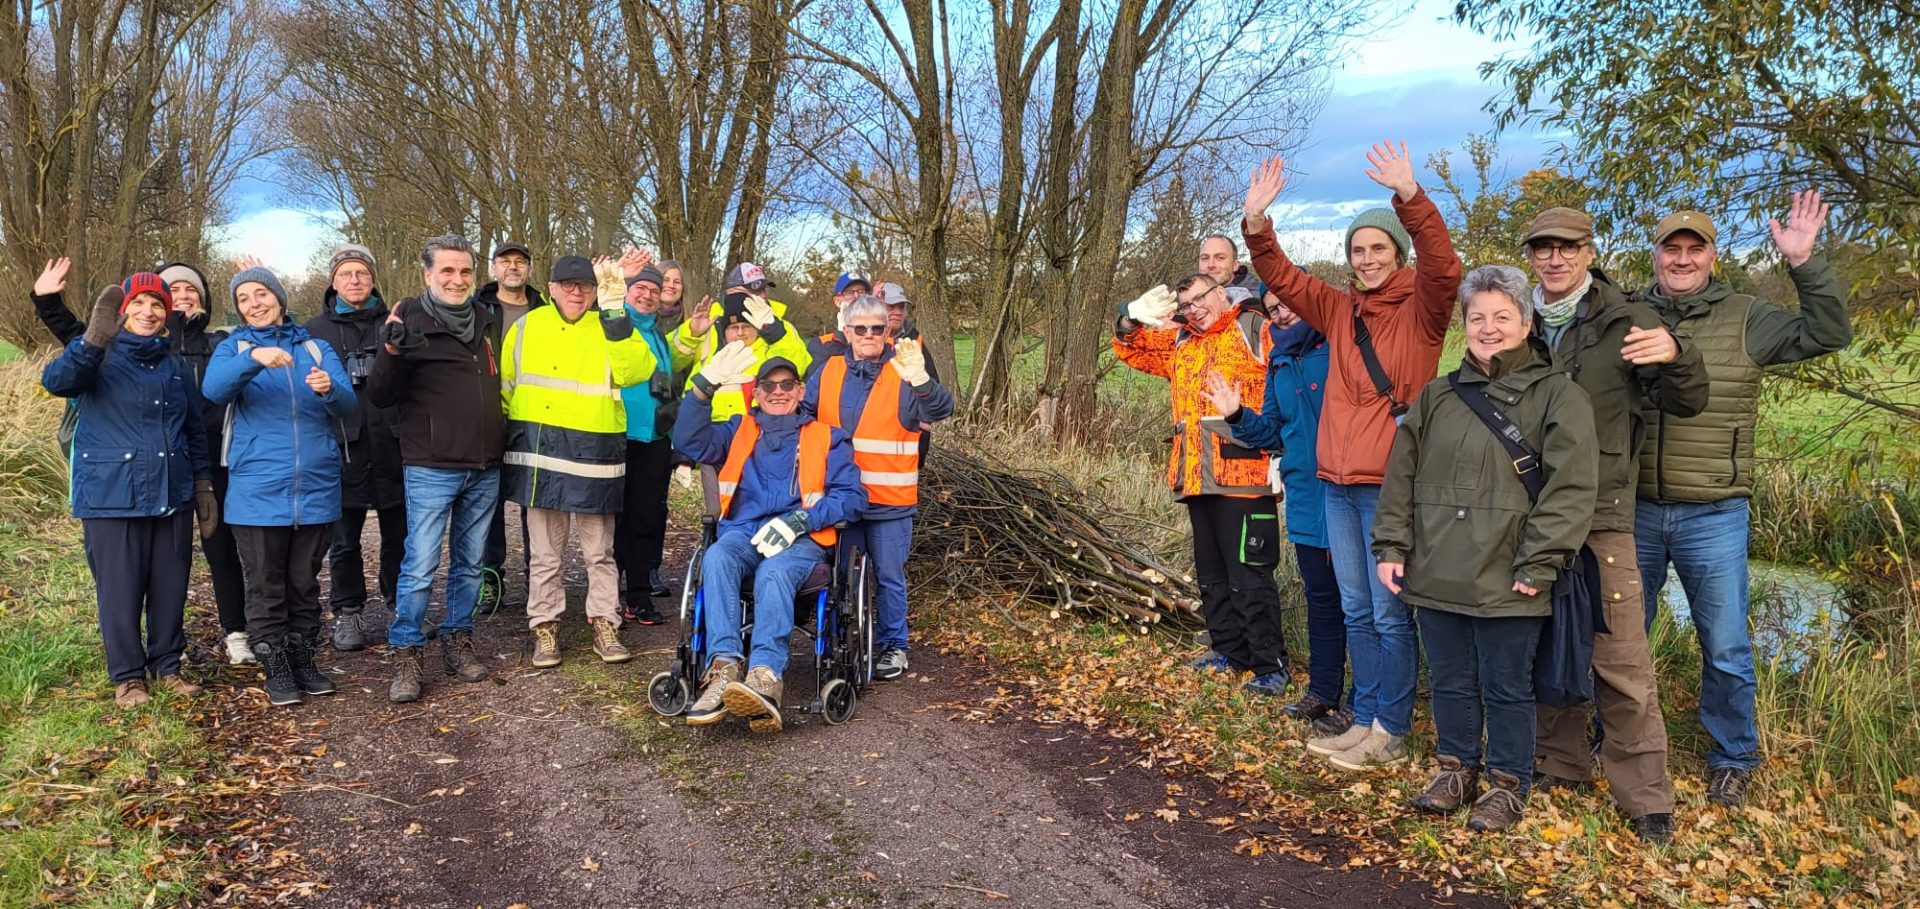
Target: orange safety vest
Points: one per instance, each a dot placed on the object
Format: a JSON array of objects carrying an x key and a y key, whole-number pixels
[
  {"x": 887, "y": 453},
  {"x": 816, "y": 438}
]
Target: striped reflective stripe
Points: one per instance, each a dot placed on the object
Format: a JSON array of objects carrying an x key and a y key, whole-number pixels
[
  {"x": 728, "y": 489},
  {"x": 885, "y": 446},
  {"x": 811, "y": 499},
  {"x": 882, "y": 478},
  {"x": 562, "y": 465},
  {"x": 575, "y": 386}
]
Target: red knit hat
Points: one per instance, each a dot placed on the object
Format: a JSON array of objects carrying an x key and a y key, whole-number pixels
[{"x": 145, "y": 282}]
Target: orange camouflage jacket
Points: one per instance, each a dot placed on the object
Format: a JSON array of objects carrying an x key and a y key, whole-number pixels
[{"x": 1206, "y": 459}]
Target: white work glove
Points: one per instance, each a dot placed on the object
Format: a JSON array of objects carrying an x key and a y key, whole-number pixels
[
  {"x": 759, "y": 311},
  {"x": 910, "y": 361},
  {"x": 612, "y": 285},
  {"x": 684, "y": 476},
  {"x": 1154, "y": 307},
  {"x": 776, "y": 535},
  {"x": 729, "y": 365}
]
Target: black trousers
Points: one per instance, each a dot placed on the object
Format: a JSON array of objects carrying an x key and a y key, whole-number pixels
[
  {"x": 223, "y": 563},
  {"x": 140, "y": 568},
  {"x": 1236, "y": 544},
  {"x": 346, "y": 559},
  {"x": 283, "y": 580},
  {"x": 495, "y": 555},
  {"x": 640, "y": 529}
]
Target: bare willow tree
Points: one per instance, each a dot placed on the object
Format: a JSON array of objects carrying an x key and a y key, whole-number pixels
[{"x": 82, "y": 90}]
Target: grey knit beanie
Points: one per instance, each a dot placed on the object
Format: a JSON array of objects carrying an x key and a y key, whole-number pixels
[
  {"x": 262, "y": 275},
  {"x": 1385, "y": 220},
  {"x": 351, "y": 252}
]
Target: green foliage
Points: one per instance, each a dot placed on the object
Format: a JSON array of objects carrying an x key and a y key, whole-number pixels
[{"x": 1489, "y": 222}]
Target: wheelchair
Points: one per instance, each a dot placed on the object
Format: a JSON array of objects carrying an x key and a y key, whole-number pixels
[{"x": 833, "y": 610}]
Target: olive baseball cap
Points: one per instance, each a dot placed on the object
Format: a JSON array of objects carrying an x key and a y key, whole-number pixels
[
  {"x": 1560, "y": 223},
  {"x": 1693, "y": 221}
]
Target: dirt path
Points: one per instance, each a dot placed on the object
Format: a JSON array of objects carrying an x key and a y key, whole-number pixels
[{"x": 560, "y": 788}]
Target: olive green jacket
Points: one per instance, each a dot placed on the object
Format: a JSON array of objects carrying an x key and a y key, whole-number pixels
[
  {"x": 1589, "y": 352},
  {"x": 1455, "y": 513}
]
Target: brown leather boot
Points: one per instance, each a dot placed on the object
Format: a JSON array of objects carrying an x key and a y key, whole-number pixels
[
  {"x": 712, "y": 706},
  {"x": 406, "y": 676},
  {"x": 131, "y": 693},
  {"x": 606, "y": 642},
  {"x": 1453, "y": 787},
  {"x": 1501, "y": 807},
  {"x": 461, "y": 661},
  {"x": 546, "y": 645}
]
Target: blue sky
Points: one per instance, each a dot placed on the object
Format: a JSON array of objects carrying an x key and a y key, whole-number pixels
[{"x": 1416, "y": 81}]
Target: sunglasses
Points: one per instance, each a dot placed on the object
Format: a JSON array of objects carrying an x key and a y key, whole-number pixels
[
  {"x": 772, "y": 385},
  {"x": 864, "y": 330}
]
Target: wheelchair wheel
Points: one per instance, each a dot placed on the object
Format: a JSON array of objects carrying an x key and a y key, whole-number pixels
[
  {"x": 668, "y": 694},
  {"x": 837, "y": 702}
]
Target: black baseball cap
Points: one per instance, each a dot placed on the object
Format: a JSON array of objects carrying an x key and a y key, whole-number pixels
[
  {"x": 513, "y": 246},
  {"x": 572, "y": 270}
]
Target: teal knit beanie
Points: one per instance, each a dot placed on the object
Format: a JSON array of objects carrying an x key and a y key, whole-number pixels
[{"x": 1381, "y": 219}]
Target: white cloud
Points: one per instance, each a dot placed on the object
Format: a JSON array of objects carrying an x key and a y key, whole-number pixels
[
  {"x": 1425, "y": 45},
  {"x": 287, "y": 239}
]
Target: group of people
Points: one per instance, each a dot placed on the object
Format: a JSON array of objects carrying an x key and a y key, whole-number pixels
[
  {"x": 577, "y": 404},
  {"x": 1586, "y": 424}
]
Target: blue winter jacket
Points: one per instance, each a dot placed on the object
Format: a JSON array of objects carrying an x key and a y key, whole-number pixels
[
  {"x": 139, "y": 444},
  {"x": 918, "y": 407},
  {"x": 1289, "y": 422},
  {"x": 770, "y": 485},
  {"x": 283, "y": 459},
  {"x": 645, "y": 401}
]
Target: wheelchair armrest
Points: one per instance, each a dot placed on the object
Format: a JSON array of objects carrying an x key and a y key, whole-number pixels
[{"x": 710, "y": 488}]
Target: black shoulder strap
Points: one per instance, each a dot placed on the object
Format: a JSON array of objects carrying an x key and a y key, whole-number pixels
[
  {"x": 1526, "y": 461},
  {"x": 1381, "y": 383}
]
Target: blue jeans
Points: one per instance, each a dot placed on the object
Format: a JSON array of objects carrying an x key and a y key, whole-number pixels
[
  {"x": 726, "y": 564},
  {"x": 439, "y": 499},
  {"x": 1707, "y": 544},
  {"x": 886, "y": 543},
  {"x": 1482, "y": 671},
  {"x": 1381, "y": 640},
  {"x": 1326, "y": 624}
]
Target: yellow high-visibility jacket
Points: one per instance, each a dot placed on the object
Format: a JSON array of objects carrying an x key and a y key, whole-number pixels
[
  {"x": 731, "y": 400},
  {"x": 566, "y": 424}
]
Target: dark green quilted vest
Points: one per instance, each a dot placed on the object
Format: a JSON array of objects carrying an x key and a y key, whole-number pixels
[{"x": 1708, "y": 457}]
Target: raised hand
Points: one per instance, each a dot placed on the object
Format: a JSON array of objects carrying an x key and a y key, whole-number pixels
[
  {"x": 247, "y": 261},
  {"x": 759, "y": 311},
  {"x": 700, "y": 318},
  {"x": 611, "y": 288},
  {"x": 53, "y": 278},
  {"x": 1265, "y": 185},
  {"x": 1221, "y": 394},
  {"x": 1393, "y": 170},
  {"x": 632, "y": 260},
  {"x": 1795, "y": 240}
]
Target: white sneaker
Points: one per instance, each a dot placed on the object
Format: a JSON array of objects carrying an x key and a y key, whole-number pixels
[
  {"x": 1327, "y": 746},
  {"x": 238, "y": 653}
]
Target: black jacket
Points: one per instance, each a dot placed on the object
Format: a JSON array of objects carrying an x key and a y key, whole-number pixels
[
  {"x": 371, "y": 477},
  {"x": 488, "y": 298},
  {"x": 447, "y": 393}
]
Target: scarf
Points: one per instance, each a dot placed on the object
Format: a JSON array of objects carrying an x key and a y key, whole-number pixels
[
  {"x": 457, "y": 317},
  {"x": 1562, "y": 311}
]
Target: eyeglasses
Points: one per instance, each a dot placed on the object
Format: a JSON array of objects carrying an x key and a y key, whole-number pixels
[
  {"x": 1547, "y": 252},
  {"x": 355, "y": 276},
  {"x": 772, "y": 385},
  {"x": 865, "y": 330},
  {"x": 1195, "y": 301}
]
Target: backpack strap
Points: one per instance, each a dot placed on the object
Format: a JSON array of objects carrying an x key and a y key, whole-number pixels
[
  {"x": 1526, "y": 461},
  {"x": 1382, "y": 384}
]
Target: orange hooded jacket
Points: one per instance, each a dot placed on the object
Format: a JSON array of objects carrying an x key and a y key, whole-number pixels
[{"x": 1206, "y": 460}]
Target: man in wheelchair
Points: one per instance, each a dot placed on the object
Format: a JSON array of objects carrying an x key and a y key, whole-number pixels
[{"x": 785, "y": 482}]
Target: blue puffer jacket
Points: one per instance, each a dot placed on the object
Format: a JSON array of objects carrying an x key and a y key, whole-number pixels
[
  {"x": 1289, "y": 422},
  {"x": 139, "y": 444},
  {"x": 647, "y": 402},
  {"x": 283, "y": 457},
  {"x": 770, "y": 485}
]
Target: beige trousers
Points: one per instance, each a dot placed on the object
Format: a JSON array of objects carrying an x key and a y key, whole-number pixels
[{"x": 547, "y": 542}]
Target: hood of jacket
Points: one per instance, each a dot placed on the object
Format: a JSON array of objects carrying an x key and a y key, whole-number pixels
[{"x": 1691, "y": 304}]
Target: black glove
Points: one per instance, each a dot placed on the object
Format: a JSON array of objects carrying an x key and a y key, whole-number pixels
[
  {"x": 396, "y": 334},
  {"x": 615, "y": 325},
  {"x": 104, "y": 324},
  {"x": 206, "y": 508}
]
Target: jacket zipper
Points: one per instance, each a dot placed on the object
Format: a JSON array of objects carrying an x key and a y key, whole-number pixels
[
  {"x": 294, "y": 410},
  {"x": 1733, "y": 459}
]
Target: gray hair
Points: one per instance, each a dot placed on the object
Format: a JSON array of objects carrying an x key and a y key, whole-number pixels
[
  {"x": 447, "y": 243},
  {"x": 863, "y": 305},
  {"x": 1503, "y": 279}
]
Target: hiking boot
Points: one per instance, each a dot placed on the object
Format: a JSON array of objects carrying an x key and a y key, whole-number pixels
[
  {"x": 606, "y": 642},
  {"x": 1501, "y": 807},
  {"x": 1452, "y": 788},
  {"x": 891, "y": 665},
  {"x": 756, "y": 700},
  {"x": 347, "y": 635},
  {"x": 1547, "y": 781},
  {"x": 282, "y": 689},
  {"x": 1310, "y": 706},
  {"x": 658, "y": 585},
  {"x": 1379, "y": 749},
  {"x": 640, "y": 612},
  {"x": 1211, "y": 661},
  {"x": 1328, "y": 746},
  {"x": 457, "y": 648},
  {"x": 1654, "y": 828},
  {"x": 406, "y": 675},
  {"x": 492, "y": 588},
  {"x": 1271, "y": 684},
  {"x": 308, "y": 676},
  {"x": 1334, "y": 723},
  {"x": 711, "y": 707},
  {"x": 239, "y": 653},
  {"x": 131, "y": 693},
  {"x": 1727, "y": 786},
  {"x": 178, "y": 684},
  {"x": 546, "y": 645}
]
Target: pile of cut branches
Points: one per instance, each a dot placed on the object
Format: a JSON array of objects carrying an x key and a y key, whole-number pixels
[{"x": 1018, "y": 537}]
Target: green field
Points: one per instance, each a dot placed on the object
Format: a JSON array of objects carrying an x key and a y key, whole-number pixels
[{"x": 8, "y": 352}]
